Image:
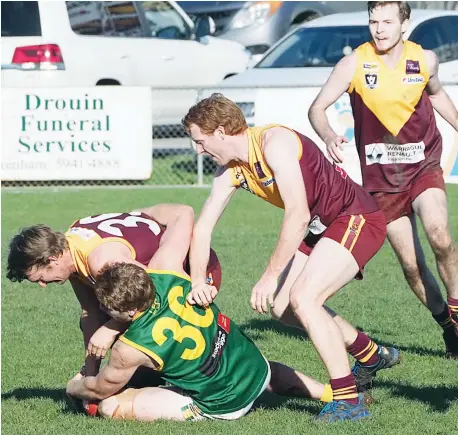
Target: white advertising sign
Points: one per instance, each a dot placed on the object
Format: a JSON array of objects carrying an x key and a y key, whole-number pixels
[
  {"x": 98, "y": 133},
  {"x": 289, "y": 106}
]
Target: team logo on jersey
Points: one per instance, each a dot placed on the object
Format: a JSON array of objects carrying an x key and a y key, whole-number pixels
[
  {"x": 371, "y": 80},
  {"x": 224, "y": 322},
  {"x": 268, "y": 182},
  {"x": 259, "y": 170},
  {"x": 155, "y": 307},
  {"x": 412, "y": 66},
  {"x": 370, "y": 66},
  {"x": 412, "y": 80},
  {"x": 210, "y": 365},
  {"x": 243, "y": 182},
  {"x": 83, "y": 233}
]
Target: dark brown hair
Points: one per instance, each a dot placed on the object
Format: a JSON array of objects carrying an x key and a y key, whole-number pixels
[
  {"x": 124, "y": 286},
  {"x": 404, "y": 8},
  {"x": 214, "y": 111},
  {"x": 32, "y": 247}
]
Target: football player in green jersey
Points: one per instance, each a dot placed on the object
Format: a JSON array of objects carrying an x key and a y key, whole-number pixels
[{"x": 215, "y": 371}]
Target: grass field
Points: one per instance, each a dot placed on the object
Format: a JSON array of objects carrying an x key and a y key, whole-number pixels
[{"x": 41, "y": 342}]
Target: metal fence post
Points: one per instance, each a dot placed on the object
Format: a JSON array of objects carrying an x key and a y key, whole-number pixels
[
  {"x": 200, "y": 170},
  {"x": 200, "y": 157}
]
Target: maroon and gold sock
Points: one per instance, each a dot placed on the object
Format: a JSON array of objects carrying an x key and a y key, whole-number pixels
[
  {"x": 364, "y": 349},
  {"x": 453, "y": 307},
  {"x": 344, "y": 389},
  {"x": 444, "y": 319}
]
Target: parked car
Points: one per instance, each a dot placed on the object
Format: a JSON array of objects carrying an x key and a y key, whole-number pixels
[
  {"x": 89, "y": 43},
  {"x": 258, "y": 25},
  {"x": 306, "y": 56}
]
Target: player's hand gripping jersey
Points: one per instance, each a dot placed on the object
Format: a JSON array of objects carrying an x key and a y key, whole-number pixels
[
  {"x": 395, "y": 128},
  {"x": 198, "y": 350}
]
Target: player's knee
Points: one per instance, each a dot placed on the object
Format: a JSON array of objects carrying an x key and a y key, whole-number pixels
[
  {"x": 412, "y": 271},
  {"x": 277, "y": 312},
  {"x": 107, "y": 407},
  {"x": 441, "y": 241},
  {"x": 303, "y": 303}
]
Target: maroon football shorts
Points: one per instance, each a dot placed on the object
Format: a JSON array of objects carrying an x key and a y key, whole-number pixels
[
  {"x": 363, "y": 235},
  {"x": 396, "y": 205}
]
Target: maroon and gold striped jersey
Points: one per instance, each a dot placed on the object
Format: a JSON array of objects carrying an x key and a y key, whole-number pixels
[
  {"x": 137, "y": 231},
  {"x": 330, "y": 192},
  {"x": 395, "y": 128}
]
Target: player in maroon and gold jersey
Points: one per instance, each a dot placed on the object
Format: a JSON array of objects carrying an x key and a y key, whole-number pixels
[
  {"x": 345, "y": 229},
  {"x": 394, "y": 89},
  {"x": 44, "y": 256}
]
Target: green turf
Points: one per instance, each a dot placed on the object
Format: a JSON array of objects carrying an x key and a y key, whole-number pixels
[{"x": 41, "y": 343}]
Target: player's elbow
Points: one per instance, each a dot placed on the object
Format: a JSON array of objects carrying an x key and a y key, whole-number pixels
[
  {"x": 186, "y": 211},
  {"x": 300, "y": 218},
  {"x": 316, "y": 110}
]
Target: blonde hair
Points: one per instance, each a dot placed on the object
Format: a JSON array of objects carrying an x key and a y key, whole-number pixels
[{"x": 209, "y": 113}]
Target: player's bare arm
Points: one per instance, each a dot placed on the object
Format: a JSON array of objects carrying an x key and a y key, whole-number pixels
[
  {"x": 439, "y": 98},
  {"x": 124, "y": 360},
  {"x": 220, "y": 195},
  {"x": 337, "y": 84},
  {"x": 281, "y": 153},
  {"x": 166, "y": 214},
  {"x": 174, "y": 247},
  {"x": 109, "y": 252},
  {"x": 92, "y": 318}
]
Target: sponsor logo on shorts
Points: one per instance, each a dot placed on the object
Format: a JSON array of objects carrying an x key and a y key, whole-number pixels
[
  {"x": 191, "y": 412},
  {"x": 371, "y": 80},
  {"x": 412, "y": 80},
  {"x": 370, "y": 66},
  {"x": 412, "y": 66},
  {"x": 355, "y": 228},
  {"x": 389, "y": 154}
]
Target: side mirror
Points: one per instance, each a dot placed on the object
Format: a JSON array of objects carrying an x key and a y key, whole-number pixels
[{"x": 205, "y": 26}]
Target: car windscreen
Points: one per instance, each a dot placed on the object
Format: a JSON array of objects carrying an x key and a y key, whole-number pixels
[
  {"x": 315, "y": 46},
  {"x": 20, "y": 19}
]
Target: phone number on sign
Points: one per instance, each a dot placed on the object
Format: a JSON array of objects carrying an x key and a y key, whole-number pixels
[{"x": 87, "y": 164}]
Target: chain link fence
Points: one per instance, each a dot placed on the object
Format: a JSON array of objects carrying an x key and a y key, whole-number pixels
[{"x": 175, "y": 162}]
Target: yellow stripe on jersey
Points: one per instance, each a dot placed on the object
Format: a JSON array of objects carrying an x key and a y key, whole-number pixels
[
  {"x": 169, "y": 272},
  {"x": 157, "y": 359},
  {"x": 256, "y": 175},
  {"x": 391, "y": 94},
  {"x": 81, "y": 247}
]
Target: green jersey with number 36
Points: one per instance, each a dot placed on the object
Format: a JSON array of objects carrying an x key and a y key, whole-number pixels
[{"x": 198, "y": 350}]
